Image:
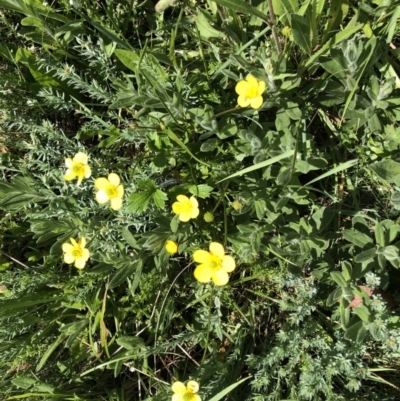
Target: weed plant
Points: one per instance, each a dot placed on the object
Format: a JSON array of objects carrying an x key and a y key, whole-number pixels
[{"x": 199, "y": 200}]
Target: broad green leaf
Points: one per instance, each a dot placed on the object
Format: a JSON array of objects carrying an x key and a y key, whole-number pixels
[
  {"x": 363, "y": 313},
  {"x": 356, "y": 332},
  {"x": 129, "y": 238},
  {"x": 339, "y": 279},
  {"x": 337, "y": 11},
  {"x": 205, "y": 28},
  {"x": 357, "y": 238},
  {"x": 344, "y": 311},
  {"x": 130, "y": 343},
  {"x": 301, "y": 32},
  {"x": 365, "y": 256},
  {"x": 128, "y": 58},
  {"x": 379, "y": 234},
  {"x": 387, "y": 169},
  {"x": 347, "y": 270},
  {"x": 391, "y": 253}
]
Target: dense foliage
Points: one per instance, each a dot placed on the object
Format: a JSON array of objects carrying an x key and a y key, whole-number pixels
[{"x": 204, "y": 192}]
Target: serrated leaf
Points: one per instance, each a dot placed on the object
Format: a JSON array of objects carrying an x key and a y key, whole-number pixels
[
  {"x": 201, "y": 191},
  {"x": 138, "y": 202}
]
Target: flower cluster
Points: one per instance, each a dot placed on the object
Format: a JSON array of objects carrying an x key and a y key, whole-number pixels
[{"x": 108, "y": 189}]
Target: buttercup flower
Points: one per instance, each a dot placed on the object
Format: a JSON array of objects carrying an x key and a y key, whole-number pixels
[
  {"x": 250, "y": 91},
  {"x": 186, "y": 208},
  {"x": 76, "y": 252},
  {"x": 186, "y": 393},
  {"x": 215, "y": 265},
  {"x": 171, "y": 247},
  {"x": 110, "y": 190},
  {"x": 77, "y": 167}
]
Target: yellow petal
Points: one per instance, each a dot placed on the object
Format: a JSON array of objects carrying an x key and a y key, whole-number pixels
[
  {"x": 80, "y": 263},
  {"x": 177, "y": 207},
  {"x": 68, "y": 258},
  {"x": 220, "y": 277},
  {"x": 69, "y": 162},
  {"x": 196, "y": 397},
  {"x": 116, "y": 203},
  {"x": 120, "y": 191},
  {"x": 66, "y": 247},
  {"x": 73, "y": 242},
  {"x": 203, "y": 273},
  {"x": 194, "y": 213},
  {"x": 252, "y": 81},
  {"x": 101, "y": 183},
  {"x": 201, "y": 256},
  {"x": 257, "y": 102},
  {"x": 101, "y": 197},
  {"x": 87, "y": 171},
  {"x": 178, "y": 388},
  {"x": 82, "y": 242},
  {"x": 193, "y": 386},
  {"x": 194, "y": 201},
  {"x": 228, "y": 263},
  {"x": 243, "y": 101},
  {"x": 85, "y": 254},
  {"x": 182, "y": 198},
  {"x": 241, "y": 87},
  {"x": 217, "y": 249},
  {"x": 177, "y": 397},
  {"x": 80, "y": 158},
  {"x": 114, "y": 179},
  {"x": 184, "y": 216},
  {"x": 69, "y": 175},
  {"x": 261, "y": 87}
]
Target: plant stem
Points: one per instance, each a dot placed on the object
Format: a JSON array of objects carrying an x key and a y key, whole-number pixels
[
  {"x": 272, "y": 25},
  {"x": 208, "y": 326}
]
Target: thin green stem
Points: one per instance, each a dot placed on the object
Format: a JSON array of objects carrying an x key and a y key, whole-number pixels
[{"x": 208, "y": 326}]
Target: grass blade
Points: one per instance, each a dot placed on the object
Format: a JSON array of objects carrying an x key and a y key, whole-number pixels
[{"x": 341, "y": 167}]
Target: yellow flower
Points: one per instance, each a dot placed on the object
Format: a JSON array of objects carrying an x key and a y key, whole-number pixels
[
  {"x": 171, "y": 247},
  {"x": 215, "y": 265},
  {"x": 186, "y": 208},
  {"x": 110, "y": 190},
  {"x": 250, "y": 91},
  {"x": 287, "y": 31},
  {"x": 76, "y": 252},
  {"x": 185, "y": 393},
  {"x": 77, "y": 167}
]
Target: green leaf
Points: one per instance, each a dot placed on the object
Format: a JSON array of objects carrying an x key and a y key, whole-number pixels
[
  {"x": 391, "y": 252},
  {"x": 386, "y": 169},
  {"x": 129, "y": 238},
  {"x": 138, "y": 202},
  {"x": 201, "y": 191},
  {"x": 363, "y": 313},
  {"x": 242, "y": 7},
  {"x": 321, "y": 219},
  {"x": 356, "y": 332},
  {"x": 341, "y": 167},
  {"x": 339, "y": 279},
  {"x": 50, "y": 350},
  {"x": 379, "y": 234},
  {"x": 365, "y": 256},
  {"x": 124, "y": 272},
  {"x": 130, "y": 343},
  {"x": 263, "y": 164},
  {"x": 301, "y": 32},
  {"x": 227, "y": 390},
  {"x": 334, "y": 296},
  {"x": 128, "y": 58},
  {"x": 344, "y": 311},
  {"x": 357, "y": 238},
  {"x": 347, "y": 270},
  {"x": 173, "y": 137},
  {"x": 205, "y": 28}
]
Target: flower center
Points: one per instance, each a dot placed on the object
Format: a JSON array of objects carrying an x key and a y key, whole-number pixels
[
  {"x": 188, "y": 396},
  {"x": 77, "y": 252},
  {"x": 78, "y": 169},
  {"x": 215, "y": 262},
  {"x": 251, "y": 92},
  {"x": 111, "y": 191},
  {"x": 186, "y": 207}
]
